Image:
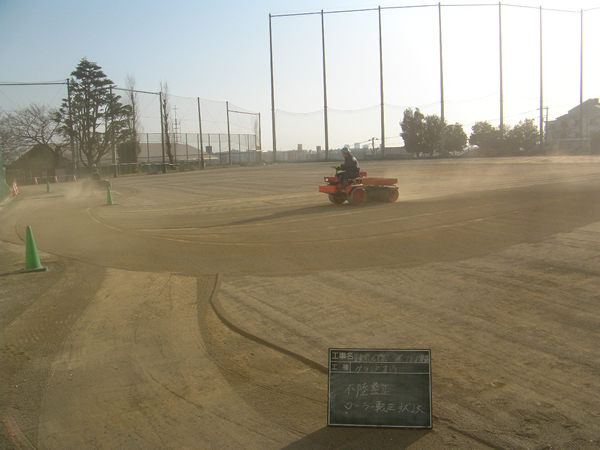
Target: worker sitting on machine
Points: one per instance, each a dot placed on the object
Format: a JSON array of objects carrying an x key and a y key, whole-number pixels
[{"x": 349, "y": 169}]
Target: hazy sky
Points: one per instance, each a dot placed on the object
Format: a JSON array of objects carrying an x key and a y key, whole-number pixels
[{"x": 219, "y": 51}]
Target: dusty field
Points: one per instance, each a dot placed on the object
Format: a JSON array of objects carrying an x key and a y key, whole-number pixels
[{"x": 196, "y": 312}]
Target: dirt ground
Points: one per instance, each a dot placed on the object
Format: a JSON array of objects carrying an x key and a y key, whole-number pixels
[{"x": 196, "y": 312}]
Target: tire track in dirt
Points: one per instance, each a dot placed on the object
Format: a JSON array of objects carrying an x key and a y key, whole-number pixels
[
  {"x": 134, "y": 363},
  {"x": 32, "y": 340}
]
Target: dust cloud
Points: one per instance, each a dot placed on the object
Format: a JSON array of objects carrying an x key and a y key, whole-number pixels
[{"x": 422, "y": 179}]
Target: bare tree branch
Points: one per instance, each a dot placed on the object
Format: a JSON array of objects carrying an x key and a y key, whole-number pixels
[{"x": 30, "y": 126}]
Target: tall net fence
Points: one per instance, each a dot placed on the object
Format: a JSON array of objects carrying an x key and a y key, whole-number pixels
[
  {"x": 197, "y": 123},
  {"x": 186, "y": 148},
  {"x": 199, "y": 132},
  {"x": 467, "y": 63},
  {"x": 16, "y": 96}
]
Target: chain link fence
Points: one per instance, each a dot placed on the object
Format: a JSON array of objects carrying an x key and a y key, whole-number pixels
[{"x": 201, "y": 133}]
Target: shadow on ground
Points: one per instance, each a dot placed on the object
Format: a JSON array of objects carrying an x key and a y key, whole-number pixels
[{"x": 352, "y": 437}]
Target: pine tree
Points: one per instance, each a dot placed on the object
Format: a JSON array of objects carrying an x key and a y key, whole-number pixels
[{"x": 94, "y": 116}]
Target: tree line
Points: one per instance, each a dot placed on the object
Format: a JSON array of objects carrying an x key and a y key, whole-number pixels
[
  {"x": 91, "y": 121},
  {"x": 427, "y": 135}
]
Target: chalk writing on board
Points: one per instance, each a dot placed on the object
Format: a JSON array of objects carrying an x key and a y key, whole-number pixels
[
  {"x": 383, "y": 388},
  {"x": 380, "y": 357},
  {"x": 381, "y": 407},
  {"x": 375, "y": 368},
  {"x": 365, "y": 389}
]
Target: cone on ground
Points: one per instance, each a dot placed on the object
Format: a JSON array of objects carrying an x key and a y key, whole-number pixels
[
  {"x": 48, "y": 186},
  {"x": 56, "y": 179},
  {"x": 74, "y": 178},
  {"x": 32, "y": 258},
  {"x": 35, "y": 180},
  {"x": 14, "y": 190},
  {"x": 109, "y": 200}
]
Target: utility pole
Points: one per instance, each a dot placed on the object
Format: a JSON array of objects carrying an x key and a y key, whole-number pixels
[
  {"x": 581, "y": 81},
  {"x": 541, "y": 85},
  {"x": 381, "y": 88},
  {"x": 272, "y": 93},
  {"x": 501, "y": 78},
  {"x": 228, "y": 133},
  {"x": 544, "y": 129},
  {"x": 325, "y": 115},
  {"x": 175, "y": 132},
  {"x": 201, "y": 142},
  {"x": 162, "y": 132},
  {"x": 176, "y": 125}
]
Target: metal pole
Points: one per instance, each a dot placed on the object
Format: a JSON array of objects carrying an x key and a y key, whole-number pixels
[
  {"x": 443, "y": 119},
  {"x": 228, "y": 133},
  {"x": 112, "y": 135},
  {"x": 148, "y": 148},
  {"x": 201, "y": 141},
  {"x": 381, "y": 88},
  {"x": 501, "y": 78},
  {"x": 162, "y": 133},
  {"x": 325, "y": 88},
  {"x": 175, "y": 133},
  {"x": 259, "y": 133},
  {"x": 581, "y": 82},
  {"x": 541, "y": 87},
  {"x": 74, "y": 155},
  {"x": 272, "y": 95}
]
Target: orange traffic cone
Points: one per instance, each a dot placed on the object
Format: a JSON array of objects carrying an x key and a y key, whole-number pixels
[
  {"x": 56, "y": 179},
  {"x": 35, "y": 180},
  {"x": 74, "y": 178},
  {"x": 14, "y": 189}
]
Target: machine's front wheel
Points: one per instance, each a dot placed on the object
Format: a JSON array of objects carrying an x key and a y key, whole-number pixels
[
  {"x": 357, "y": 196},
  {"x": 336, "y": 199}
]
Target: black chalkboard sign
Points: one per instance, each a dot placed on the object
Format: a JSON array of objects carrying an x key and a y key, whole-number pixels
[{"x": 380, "y": 388}]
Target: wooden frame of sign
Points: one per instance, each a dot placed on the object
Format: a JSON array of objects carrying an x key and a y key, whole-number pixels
[{"x": 380, "y": 388}]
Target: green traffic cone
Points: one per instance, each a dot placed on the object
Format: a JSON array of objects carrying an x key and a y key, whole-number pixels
[
  {"x": 48, "y": 186},
  {"x": 109, "y": 200},
  {"x": 32, "y": 259}
]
